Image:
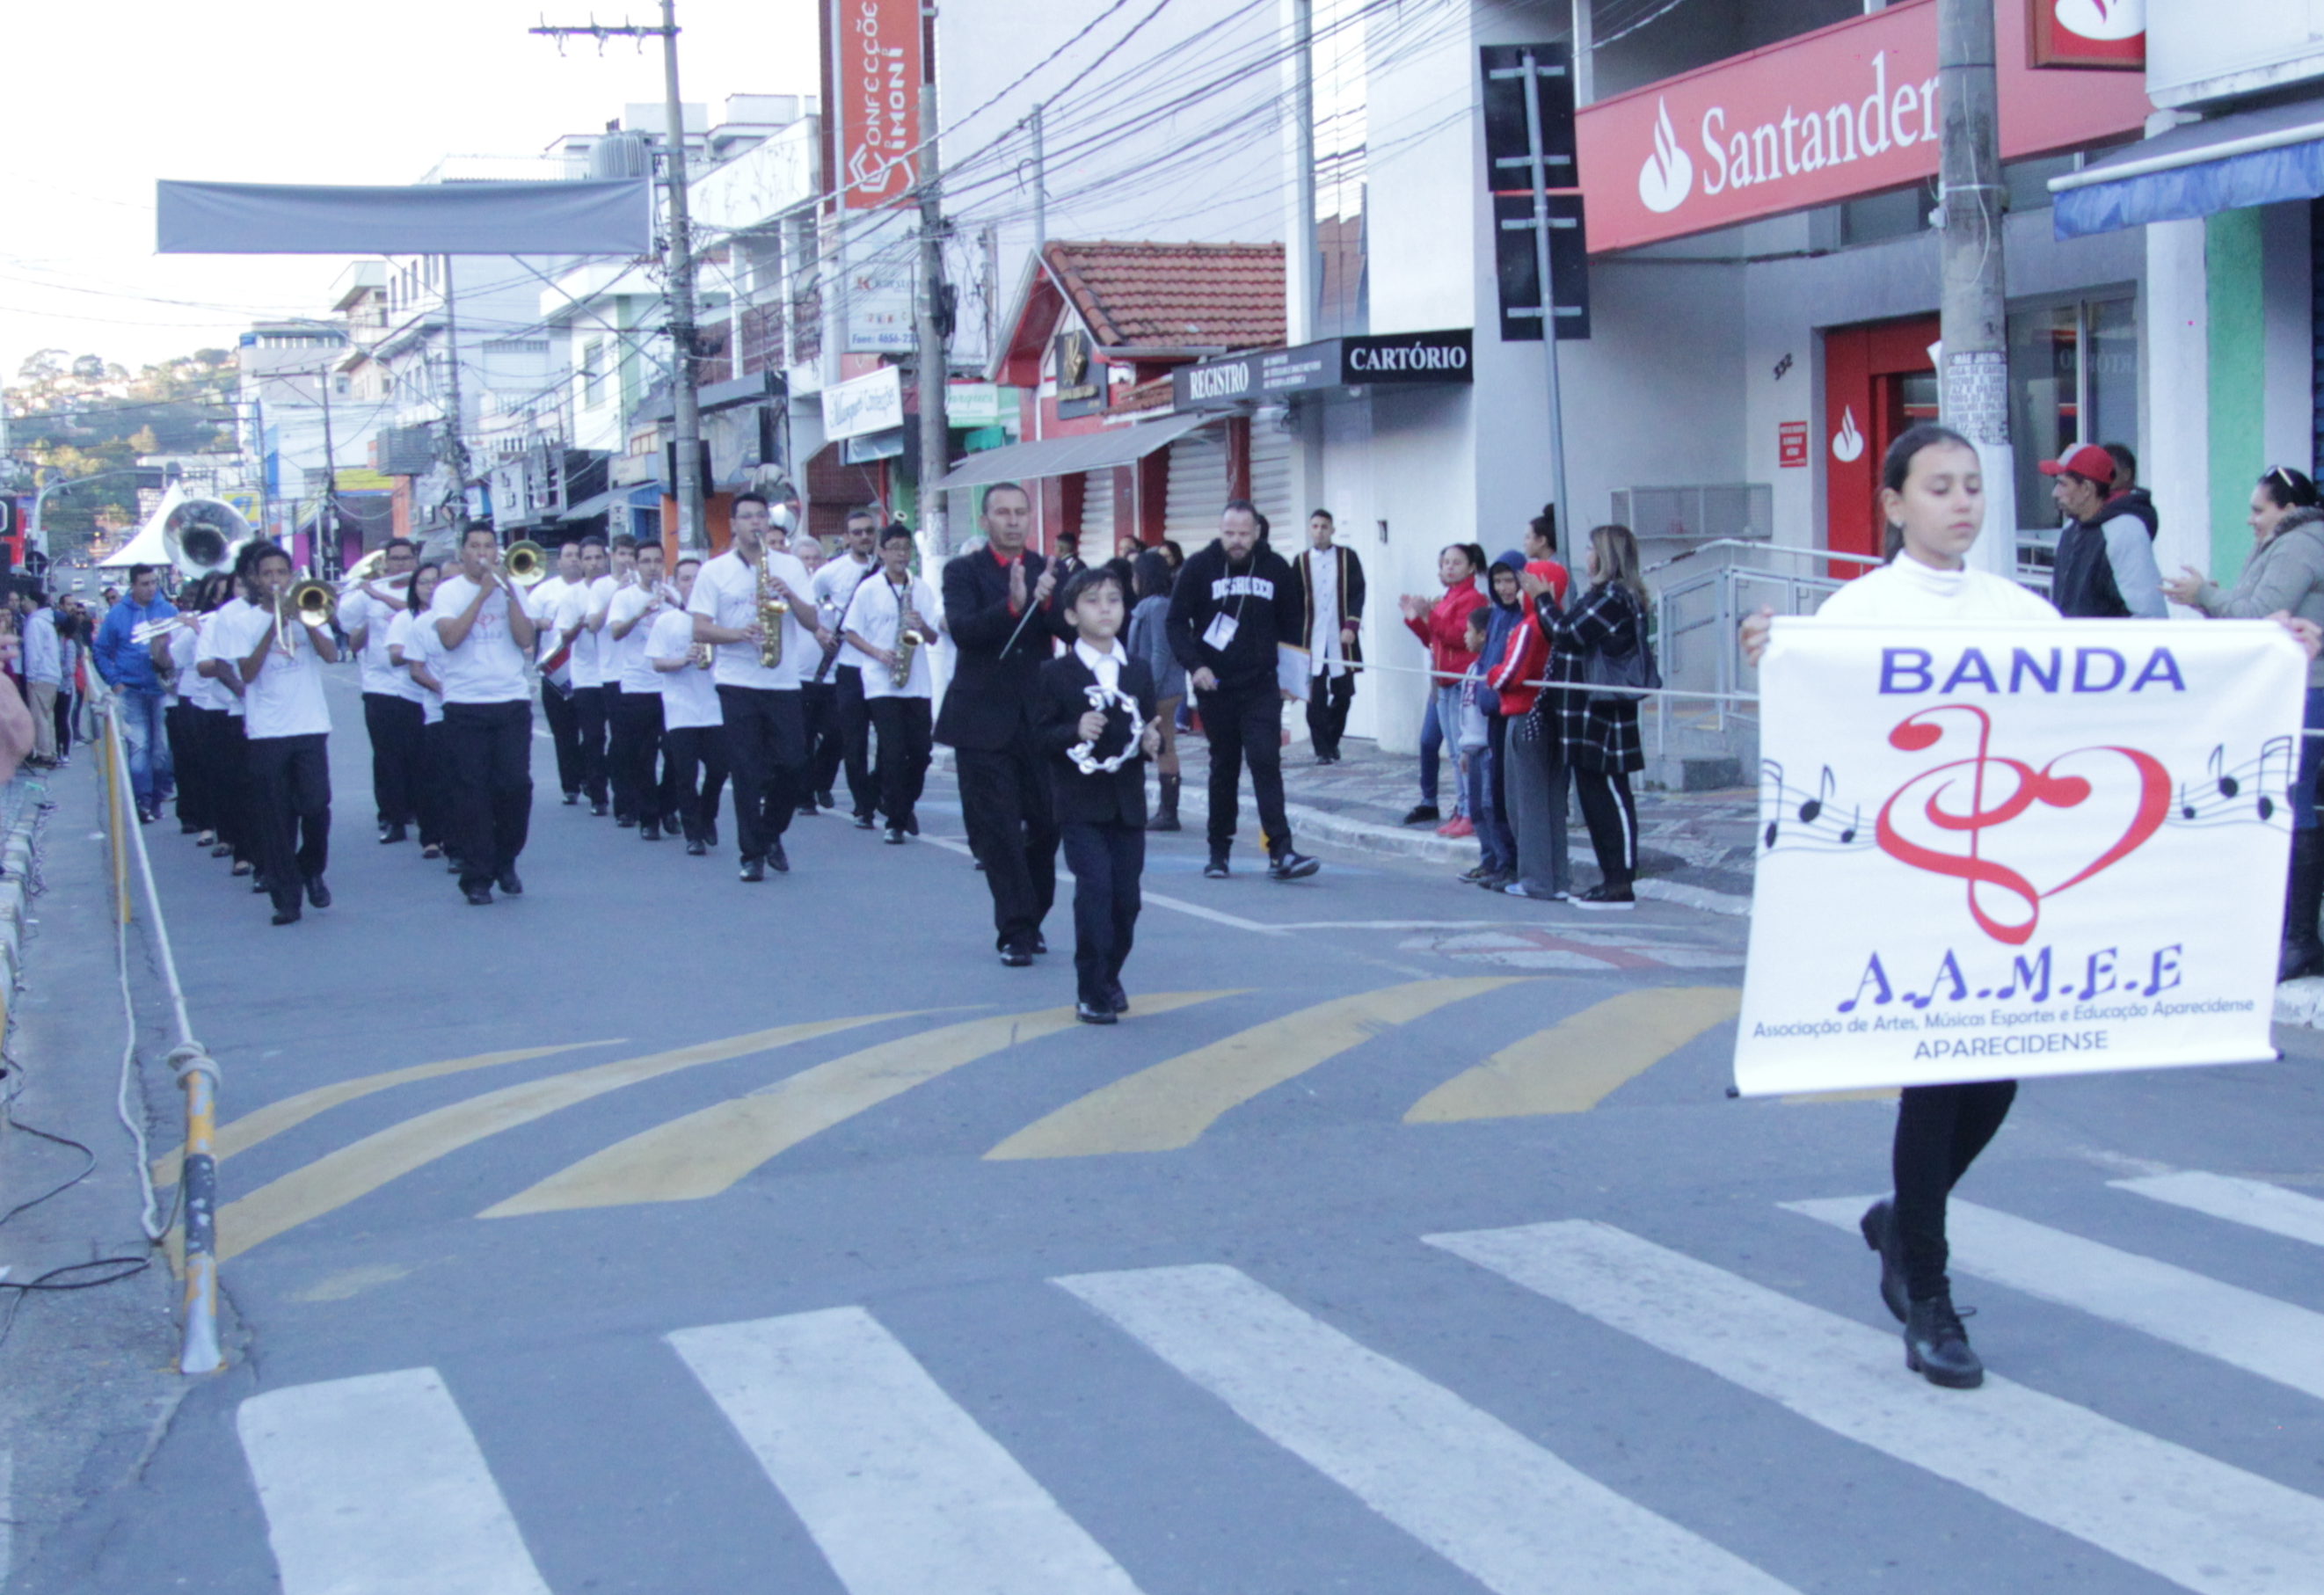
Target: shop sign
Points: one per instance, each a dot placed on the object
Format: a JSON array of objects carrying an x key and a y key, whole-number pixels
[
  {"x": 1363, "y": 360},
  {"x": 879, "y": 318},
  {"x": 1405, "y": 357},
  {"x": 863, "y": 405},
  {"x": 879, "y": 96},
  {"x": 978, "y": 404},
  {"x": 1847, "y": 110},
  {"x": 2088, "y": 34},
  {"x": 1792, "y": 444},
  {"x": 1081, "y": 380}
]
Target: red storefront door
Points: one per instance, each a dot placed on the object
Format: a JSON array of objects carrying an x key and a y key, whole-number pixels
[{"x": 1878, "y": 379}]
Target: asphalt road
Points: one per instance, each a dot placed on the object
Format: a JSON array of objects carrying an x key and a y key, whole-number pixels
[{"x": 656, "y": 1233}]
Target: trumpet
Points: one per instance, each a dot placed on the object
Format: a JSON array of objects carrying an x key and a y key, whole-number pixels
[
  {"x": 309, "y": 603},
  {"x": 146, "y": 631},
  {"x": 365, "y": 569},
  {"x": 526, "y": 564}
]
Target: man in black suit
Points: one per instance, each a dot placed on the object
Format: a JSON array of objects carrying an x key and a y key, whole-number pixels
[
  {"x": 1097, "y": 727},
  {"x": 998, "y": 606}
]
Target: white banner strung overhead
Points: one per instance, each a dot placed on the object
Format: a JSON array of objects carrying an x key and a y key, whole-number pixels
[{"x": 1987, "y": 852}]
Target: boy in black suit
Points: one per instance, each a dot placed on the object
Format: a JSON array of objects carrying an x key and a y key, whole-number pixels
[{"x": 1097, "y": 726}]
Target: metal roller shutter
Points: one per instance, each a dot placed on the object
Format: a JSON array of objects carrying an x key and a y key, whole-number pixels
[
  {"x": 1097, "y": 515},
  {"x": 1198, "y": 486},
  {"x": 1271, "y": 486}
]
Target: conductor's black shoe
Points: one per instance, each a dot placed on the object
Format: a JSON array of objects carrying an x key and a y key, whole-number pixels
[
  {"x": 895, "y": 837},
  {"x": 1422, "y": 813},
  {"x": 598, "y": 810},
  {"x": 286, "y": 916},
  {"x": 393, "y": 833},
  {"x": 865, "y": 821},
  {"x": 697, "y": 848},
  {"x": 571, "y": 799},
  {"x": 1936, "y": 1346},
  {"x": 1116, "y": 997},
  {"x": 648, "y": 832},
  {"x": 1094, "y": 1013},
  {"x": 508, "y": 883},
  {"x": 1291, "y": 866},
  {"x": 479, "y": 896},
  {"x": 778, "y": 860},
  {"x": 1216, "y": 870},
  {"x": 1016, "y": 955},
  {"x": 319, "y": 894},
  {"x": 1879, "y": 1226},
  {"x": 754, "y": 869}
]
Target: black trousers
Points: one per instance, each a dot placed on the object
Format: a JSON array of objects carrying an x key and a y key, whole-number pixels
[
  {"x": 766, "y": 752},
  {"x": 613, "y": 703},
  {"x": 1245, "y": 726},
  {"x": 905, "y": 749},
  {"x": 394, "y": 725},
  {"x": 231, "y": 788},
  {"x": 863, "y": 787},
  {"x": 826, "y": 750},
  {"x": 62, "y": 713},
  {"x": 1612, "y": 816},
  {"x": 640, "y": 787},
  {"x": 432, "y": 795},
  {"x": 1106, "y": 860},
  {"x": 182, "y": 722},
  {"x": 291, "y": 810},
  {"x": 1328, "y": 697},
  {"x": 589, "y": 730},
  {"x": 1940, "y": 1132},
  {"x": 491, "y": 755},
  {"x": 1012, "y": 829},
  {"x": 696, "y": 758},
  {"x": 564, "y": 719}
]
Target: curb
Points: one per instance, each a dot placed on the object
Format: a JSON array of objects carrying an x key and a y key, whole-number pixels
[{"x": 15, "y": 899}]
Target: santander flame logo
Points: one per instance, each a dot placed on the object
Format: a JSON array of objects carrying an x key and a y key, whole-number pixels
[
  {"x": 2103, "y": 19},
  {"x": 1848, "y": 443},
  {"x": 1668, "y": 176}
]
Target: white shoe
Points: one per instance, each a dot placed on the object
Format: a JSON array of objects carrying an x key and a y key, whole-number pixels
[{"x": 1516, "y": 888}]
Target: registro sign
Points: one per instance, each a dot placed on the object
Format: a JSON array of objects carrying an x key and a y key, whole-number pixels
[
  {"x": 1362, "y": 360},
  {"x": 1985, "y": 853},
  {"x": 877, "y": 92}
]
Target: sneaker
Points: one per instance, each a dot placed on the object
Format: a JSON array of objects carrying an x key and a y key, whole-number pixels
[
  {"x": 391, "y": 834},
  {"x": 1474, "y": 874},
  {"x": 479, "y": 896},
  {"x": 1096, "y": 1013},
  {"x": 1040, "y": 944},
  {"x": 1216, "y": 870},
  {"x": 865, "y": 822},
  {"x": 572, "y": 798},
  {"x": 1520, "y": 889},
  {"x": 1458, "y": 825},
  {"x": 823, "y": 799},
  {"x": 1116, "y": 997},
  {"x": 1422, "y": 813},
  {"x": 1498, "y": 880},
  {"x": 808, "y": 810},
  {"x": 510, "y": 885},
  {"x": 1016, "y": 956},
  {"x": 697, "y": 848},
  {"x": 777, "y": 859},
  {"x": 1291, "y": 866},
  {"x": 895, "y": 837},
  {"x": 754, "y": 869},
  {"x": 286, "y": 916},
  {"x": 598, "y": 810},
  {"x": 1606, "y": 897}
]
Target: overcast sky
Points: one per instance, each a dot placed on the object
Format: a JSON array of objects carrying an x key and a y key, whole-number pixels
[{"x": 108, "y": 96}]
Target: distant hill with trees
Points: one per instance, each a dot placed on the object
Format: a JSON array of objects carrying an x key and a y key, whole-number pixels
[{"x": 84, "y": 414}]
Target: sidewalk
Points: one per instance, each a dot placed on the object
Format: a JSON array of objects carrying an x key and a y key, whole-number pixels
[{"x": 1695, "y": 848}]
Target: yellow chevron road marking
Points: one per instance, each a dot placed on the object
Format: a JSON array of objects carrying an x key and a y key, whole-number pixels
[
  {"x": 706, "y": 1152},
  {"x": 1168, "y": 1106},
  {"x": 1570, "y": 1067},
  {"x": 331, "y": 1182},
  {"x": 273, "y": 1118}
]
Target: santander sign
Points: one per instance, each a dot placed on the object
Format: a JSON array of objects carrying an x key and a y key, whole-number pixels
[{"x": 1847, "y": 110}]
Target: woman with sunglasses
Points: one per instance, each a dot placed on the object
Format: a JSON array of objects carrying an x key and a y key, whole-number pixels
[{"x": 2285, "y": 573}]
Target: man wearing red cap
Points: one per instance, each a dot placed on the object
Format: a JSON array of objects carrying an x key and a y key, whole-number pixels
[{"x": 2105, "y": 568}]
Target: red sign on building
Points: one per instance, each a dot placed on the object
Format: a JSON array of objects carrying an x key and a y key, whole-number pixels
[
  {"x": 1792, "y": 444},
  {"x": 2088, "y": 34},
  {"x": 878, "y": 100}
]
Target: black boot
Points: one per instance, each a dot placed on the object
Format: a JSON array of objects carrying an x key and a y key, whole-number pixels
[
  {"x": 1165, "y": 815},
  {"x": 1936, "y": 1346},
  {"x": 1879, "y": 1226},
  {"x": 2303, "y": 952}
]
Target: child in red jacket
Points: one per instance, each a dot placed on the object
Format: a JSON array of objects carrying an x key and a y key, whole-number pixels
[{"x": 1443, "y": 626}]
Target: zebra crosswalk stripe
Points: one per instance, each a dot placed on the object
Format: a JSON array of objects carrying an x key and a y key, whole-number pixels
[
  {"x": 2251, "y": 1202},
  {"x": 376, "y": 1485},
  {"x": 2242, "y": 1328},
  {"x": 1508, "y": 1512},
  {"x": 902, "y": 1490},
  {"x": 2187, "y": 1517}
]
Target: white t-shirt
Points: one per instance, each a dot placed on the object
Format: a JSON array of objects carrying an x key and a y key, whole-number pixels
[
  {"x": 876, "y": 614},
  {"x": 183, "y": 681},
  {"x": 360, "y": 611},
  {"x": 625, "y": 655},
  {"x": 286, "y": 697},
  {"x": 488, "y": 667},
  {"x": 583, "y": 604},
  {"x": 688, "y": 696},
  {"x": 411, "y": 634},
  {"x": 216, "y": 644},
  {"x": 727, "y": 591},
  {"x": 835, "y": 585},
  {"x": 1905, "y": 591}
]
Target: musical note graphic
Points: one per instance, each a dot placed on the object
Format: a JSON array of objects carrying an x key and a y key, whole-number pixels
[
  {"x": 2253, "y": 791},
  {"x": 1795, "y": 817}
]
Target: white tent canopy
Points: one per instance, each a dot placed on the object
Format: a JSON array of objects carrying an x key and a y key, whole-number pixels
[{"x": 147, "y": 547}]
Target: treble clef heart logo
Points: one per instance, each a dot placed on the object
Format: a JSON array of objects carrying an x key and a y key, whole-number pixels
[{"x": 1932, "y": 798}]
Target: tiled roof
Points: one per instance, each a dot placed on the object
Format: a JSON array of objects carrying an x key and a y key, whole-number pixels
[{"x": 1174, "y": 296}]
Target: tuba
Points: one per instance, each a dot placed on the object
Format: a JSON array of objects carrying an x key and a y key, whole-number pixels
[
  {"x": 201, "y": 535},
  {"x": 772, "y": 607}
]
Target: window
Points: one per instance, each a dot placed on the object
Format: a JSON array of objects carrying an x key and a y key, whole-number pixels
[
  {"x": 593, "y": 372},
  {"x": 2074, "y": 378}
]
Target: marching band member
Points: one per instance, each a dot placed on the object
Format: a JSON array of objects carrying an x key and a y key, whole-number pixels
[
  {"x": 391, "y": 705},
  {"x": 215, "y": 661},
  {"x": 203, "y": 709},
  {"x": 766, "y": 727},
  {"x": 485, "y": 635},
  {"x": 555, "y": 668},
  {"x": 693, "y": 743},
  {"x": 580, "y": 617},
  {"x": 836, "y": 584},
  {"x": 818, "y": 698},
  {"x": 281, "y": 652},
  {"x": 638, "y": 711},
  {"x": 407, "y": 650},
  {"x": 879, "y": 613},
  {"x": 622, "y": 574}
]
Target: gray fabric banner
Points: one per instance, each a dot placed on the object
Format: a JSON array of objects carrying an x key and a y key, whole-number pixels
[{"x": 611, "y": 217}]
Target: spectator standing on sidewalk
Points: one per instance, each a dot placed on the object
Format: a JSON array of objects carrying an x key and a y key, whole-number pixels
[
  {"x": 2285, "y": 573},
  {"x": 1443, "y": 627},
  {"x": 44, "y": 674},
  {"x": 1149, "y": 640},
  {"x": 1488, "y": 800},
  {"x": 1538, "y": 775},
  {"x": 128, "y": 666},
  {"x": 1332, "y": 584},
  {"x": 2105, "y": 567},
  {"x": 1235, "y": 605},
  {"x": 1600, "y": 730},
  {"x": 2128, "y": 497}
]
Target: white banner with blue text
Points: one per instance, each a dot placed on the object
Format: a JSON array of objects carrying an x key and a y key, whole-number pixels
[{"x": 1992, "y": 852}]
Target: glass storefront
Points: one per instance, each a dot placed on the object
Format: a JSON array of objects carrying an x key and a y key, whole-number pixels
[{"x": 2074, "y": 378}]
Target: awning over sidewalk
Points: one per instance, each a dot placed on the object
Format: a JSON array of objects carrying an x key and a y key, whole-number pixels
[
  {"x": 2252, "y": 158},
  {"x": 1067, "y": 457}
]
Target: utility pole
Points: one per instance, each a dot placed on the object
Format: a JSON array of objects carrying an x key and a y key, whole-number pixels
[
  {"x": 1310, "y": 274},
  {"x": 935, "y": 318},
  {"x": 457, "y": 454},
  {"x": 326, "y": 524},
  {"x": 1040, "y": 188},
  {"x": 1975, "y": 379},
  {"x": 677, "y": 256}
]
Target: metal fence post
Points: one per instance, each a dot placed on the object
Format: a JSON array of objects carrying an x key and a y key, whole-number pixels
[{"x": 198, "y": 1185}]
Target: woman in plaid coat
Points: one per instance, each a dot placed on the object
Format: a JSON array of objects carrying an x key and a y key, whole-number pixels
[{"x": 1600, "y": 735}]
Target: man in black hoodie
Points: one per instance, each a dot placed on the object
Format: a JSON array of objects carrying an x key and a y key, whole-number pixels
[
  {"x": 2129, "y": 498},
  {"x": 1235, "y": 603}
]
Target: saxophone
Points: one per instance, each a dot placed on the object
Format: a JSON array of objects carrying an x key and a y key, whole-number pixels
[
  {"x": 910, "y": 637},
  {"x": 772, "y": 607}
]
